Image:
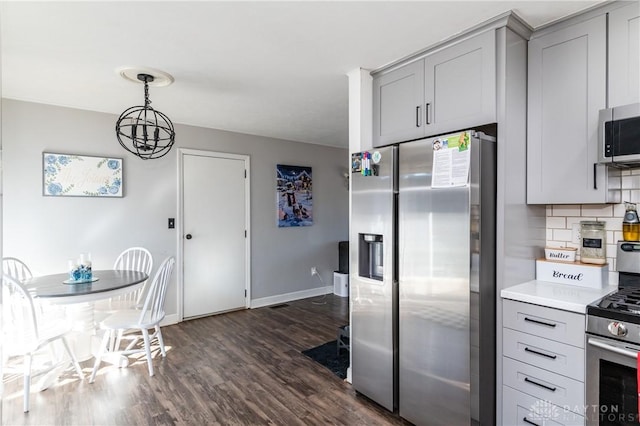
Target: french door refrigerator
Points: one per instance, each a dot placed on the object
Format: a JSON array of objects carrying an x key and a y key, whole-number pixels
[{"x": 423, "y": 278}]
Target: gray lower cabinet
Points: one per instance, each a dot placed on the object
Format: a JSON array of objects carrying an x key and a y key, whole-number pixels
[
  {"x": 449, "y": 89},
  {"x": 566, "y": 89},
  {"x": 543, "y": 370},
  {"x": 624, "y": 55}
]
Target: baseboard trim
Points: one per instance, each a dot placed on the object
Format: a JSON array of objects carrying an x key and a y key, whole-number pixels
[
  {"x": 267, "y": 301},
  {"x": 169, "y": 320},
  {"x": 289, "y": 297}
]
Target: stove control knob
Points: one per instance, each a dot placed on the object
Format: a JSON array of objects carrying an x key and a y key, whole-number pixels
[{"x": 617, "y": 329}]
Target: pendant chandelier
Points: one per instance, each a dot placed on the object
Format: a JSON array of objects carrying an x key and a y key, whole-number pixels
[{"x": 144, "y": 131}]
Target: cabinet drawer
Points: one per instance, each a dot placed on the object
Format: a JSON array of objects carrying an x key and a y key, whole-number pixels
[
  {"x": 520, "y": 409},
  {"x": 542, "y": 384},
  {"x": 554, "y": 324},
  {"x": 557, "y": 357}
]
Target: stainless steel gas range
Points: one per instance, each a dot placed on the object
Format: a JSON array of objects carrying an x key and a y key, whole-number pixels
[{"x": 613, "y": 344}]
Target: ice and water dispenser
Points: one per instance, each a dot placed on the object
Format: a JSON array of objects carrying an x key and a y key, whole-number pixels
[{"x": 371, "y": 253}]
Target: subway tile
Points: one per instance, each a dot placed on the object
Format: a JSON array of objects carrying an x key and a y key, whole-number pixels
[
  {"x": 573, "y": 245},
  {"x": 612, "y": 223},
  {"x": 562, "y": 235},
  {"x": 586, "y": 218},
  {"x": 566, "y": 210},
  {"x": 631, "y": 182},
  {"x": 634, "y": 196},
  {"x": 625, "y": 173},
  {"x": 617, "y": 236},
  {"x": 572, "y": 220},
  {"x": 556, "y": 222},
  {"x": 549, "y": 210},
  {"x": 598, "y": 210},
  {"x": 635, "y": 171},
  {"x": 618, "y": 210},
  {"x": 549, "y": 235},
  {"x": 612, "y": 250},
  {"x": 609, "y": 237}
]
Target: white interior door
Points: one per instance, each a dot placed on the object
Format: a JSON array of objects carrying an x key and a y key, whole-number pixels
[{"x": 214, "y": 225}]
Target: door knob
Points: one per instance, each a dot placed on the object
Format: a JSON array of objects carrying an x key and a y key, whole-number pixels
[{"x": 188, "y": 236}]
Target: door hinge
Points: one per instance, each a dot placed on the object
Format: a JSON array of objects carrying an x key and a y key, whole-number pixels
[{"x": 245, "y": 173}]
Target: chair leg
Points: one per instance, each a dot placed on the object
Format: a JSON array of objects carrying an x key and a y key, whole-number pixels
[
  {"x": 118, "y": 340},
  {"x": 160, "y": 341},
  {"x": 27, "y": 381},
  {"x": 74, "y": 360},
  {"x": 103, "y": 346},
  {"x": 147, "y": 349}
]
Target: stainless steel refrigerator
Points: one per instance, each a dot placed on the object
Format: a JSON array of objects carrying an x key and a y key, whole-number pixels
[{"x": 423, "y": 278}]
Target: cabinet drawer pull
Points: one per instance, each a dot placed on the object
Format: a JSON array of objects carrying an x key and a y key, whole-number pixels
[
  {"x": 541, "y": 353},
  {"x": 418, "y": 116},
  {"x": 427, "y": 110},
  {"x": 526, "y": 420},
  {"x": 548, "y": 324},
  {"x": 533, "y": 382}
]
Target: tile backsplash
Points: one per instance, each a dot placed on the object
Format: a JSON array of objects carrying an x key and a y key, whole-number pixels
[{"x": 561, "y": 218}]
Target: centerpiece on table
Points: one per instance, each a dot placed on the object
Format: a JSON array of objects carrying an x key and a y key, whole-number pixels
[{"x": 80, "y": 270}]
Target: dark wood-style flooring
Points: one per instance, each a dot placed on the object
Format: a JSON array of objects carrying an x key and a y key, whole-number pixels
[{"x": 240, "y": 368}]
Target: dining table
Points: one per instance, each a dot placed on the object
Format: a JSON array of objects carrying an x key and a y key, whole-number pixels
[
  {"x": 107, "y": 283},
  {"x": 78, "y": 299}
]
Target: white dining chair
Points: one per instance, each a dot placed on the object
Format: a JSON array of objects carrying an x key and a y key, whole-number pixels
[
  {"x": 16, "y": 268},
  {"x": 26, "y": 330},
  {"x": 131, "y": 259},
  {"x": 138, "y": 322}
]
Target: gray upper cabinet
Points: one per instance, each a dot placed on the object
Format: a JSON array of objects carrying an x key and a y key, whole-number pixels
[
  {"x": 624, "y": 55},
  {"x": 566, "y": 89},
  {"x": 460, "y": 85},
  {"x": 397, "y": 105},
  {"x": 448, "y": 89}
]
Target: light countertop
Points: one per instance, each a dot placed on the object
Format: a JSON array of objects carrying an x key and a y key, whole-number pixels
[{"x": 560, "y": 296}]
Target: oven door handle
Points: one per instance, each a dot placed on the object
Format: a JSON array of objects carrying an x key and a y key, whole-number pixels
[{"x": 601, "y": 345}]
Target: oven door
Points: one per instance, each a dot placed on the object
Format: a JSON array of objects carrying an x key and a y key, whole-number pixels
[{"x": 611, "y": 382}]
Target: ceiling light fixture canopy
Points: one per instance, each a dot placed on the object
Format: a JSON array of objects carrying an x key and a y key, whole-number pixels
[{"x": 144, "y": 131}]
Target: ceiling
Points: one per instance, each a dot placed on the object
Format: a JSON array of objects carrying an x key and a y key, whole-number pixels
[{"x": 275, "y": 69}]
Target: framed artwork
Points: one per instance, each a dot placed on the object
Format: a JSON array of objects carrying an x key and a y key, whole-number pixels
[
  {"x": 294, "y": 193},
  {"x": 67, "y": 175}
]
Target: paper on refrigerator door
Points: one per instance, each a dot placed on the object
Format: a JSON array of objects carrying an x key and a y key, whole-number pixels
[{"x": 451, "y": 160}]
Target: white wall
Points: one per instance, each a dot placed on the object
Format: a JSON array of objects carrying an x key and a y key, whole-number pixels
[{"x": 46, "y": 231}]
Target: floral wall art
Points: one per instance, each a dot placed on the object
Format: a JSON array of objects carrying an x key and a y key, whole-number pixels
[
  {"x": 81, "y": 176},
  {"x": 295, "y": 196}
]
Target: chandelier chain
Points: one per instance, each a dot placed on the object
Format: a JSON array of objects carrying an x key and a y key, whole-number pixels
[{"x": 147, "y": 101}]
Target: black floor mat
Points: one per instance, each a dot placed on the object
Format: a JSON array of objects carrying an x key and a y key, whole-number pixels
[{"x": 328, "y": 356}]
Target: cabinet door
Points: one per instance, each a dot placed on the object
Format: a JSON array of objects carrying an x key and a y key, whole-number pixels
[
  {"x": 397, "y": 105},
  {"x": 567, "y": 88},
  {"x": 624, "y": 55},
  {"x": 460, "y": 85}
]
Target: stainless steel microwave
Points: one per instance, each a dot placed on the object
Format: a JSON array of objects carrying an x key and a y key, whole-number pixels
[{"x": 619, "y": 136}]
